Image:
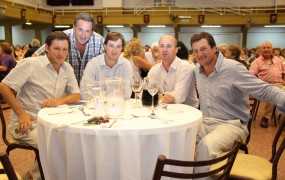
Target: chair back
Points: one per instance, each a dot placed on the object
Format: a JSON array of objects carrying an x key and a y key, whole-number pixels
[
  {"x": 277, "y": 152},
  {"x": 253, "y": 103},
  {"x": 3, "y": 122},
  {"x": 223, "y": 170},
  {"x": 8, "y": 168}
]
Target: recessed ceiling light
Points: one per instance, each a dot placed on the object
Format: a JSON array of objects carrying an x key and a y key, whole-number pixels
[
  {"x": 216, "y": 26},
  {"x": 113, "y": 26},
  {"x": 274, "y": 26},
  {"x": 62, "y": 26},
  {"x": 155, "y": 26}
]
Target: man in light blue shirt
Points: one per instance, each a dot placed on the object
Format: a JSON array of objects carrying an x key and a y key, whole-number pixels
[
  {"x": 110, "y": 64},
  {"x": 223, "y": 86}
]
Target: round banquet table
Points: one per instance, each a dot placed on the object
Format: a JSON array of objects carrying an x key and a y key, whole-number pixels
[{"x": 126, "y": 148}]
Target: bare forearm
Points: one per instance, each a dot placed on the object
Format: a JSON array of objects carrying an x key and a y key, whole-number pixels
[
  {"x": 9, "y": 96},
  {"x": 71, "y": 98}
]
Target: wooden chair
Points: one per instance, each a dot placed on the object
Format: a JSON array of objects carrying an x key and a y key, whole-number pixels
[
  {"x": 247, "y": 166},
  {"x": 253, "y": 103},
  {"x": 224, "y": 169},
  {"x": 12, "y": 144},
  {"x": 6, "y": 170}
]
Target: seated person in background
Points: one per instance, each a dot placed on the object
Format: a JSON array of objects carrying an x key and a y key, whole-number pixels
[
  {"x": 109, "y": 64},
  {"x": 222, "y": 48},
  {"x": 44, "y": 81},
  {"x": 183, "y": 52},
  {"x": 146, "y": 48},
  {"x": 224, "y": 87},
  {"x": 153, "y": 55},
  {"x": 134, "y": 53},
  {"x": 270, "y": 69},
  {"x": 6, "y": 60},
  {"x": 255, "y": 54},
  {"x": 34, "y": 45},
  {"x": 233, "y": 52},
  {"x": 175, "y": 76},
  {"x": 277, "y": 52},
  {"x": 18, "y": 53}
]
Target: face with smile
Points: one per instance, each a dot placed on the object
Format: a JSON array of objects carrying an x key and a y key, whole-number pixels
[
  {"x": 266, "y": 50},
  {"x": 83, "y": 31},
  {"x": 57, "y": 52},
  {"x": 113, "y": 50},
  {"x": 204, "y": 54}
]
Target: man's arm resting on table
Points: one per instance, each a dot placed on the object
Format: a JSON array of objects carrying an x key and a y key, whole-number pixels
[
  {"x": 71, "y": 98},
  {"x": 24, "y": 118}
]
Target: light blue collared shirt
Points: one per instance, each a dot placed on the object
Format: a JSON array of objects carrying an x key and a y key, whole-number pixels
[
  {"x": 224, "y": 93},
  {"x": 97, "y": 70}
]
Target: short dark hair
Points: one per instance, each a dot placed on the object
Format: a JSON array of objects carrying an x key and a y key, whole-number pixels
[
  {"x": 85, "y": 17},
  {"x": 58, "y": 35},
  {"x": 203, "y": 35},
  {"x": 114, "y": 36},
  {"x": 182, "y": 52}
]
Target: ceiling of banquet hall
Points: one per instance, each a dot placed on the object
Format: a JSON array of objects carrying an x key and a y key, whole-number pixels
[{"x": 39, "y": 11}]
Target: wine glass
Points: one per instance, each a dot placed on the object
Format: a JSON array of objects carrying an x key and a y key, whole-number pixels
[
  {"x": 88, "y": 85},
  {"x": 136, "y": 84},
  {"x": 152, "y": 88},
  {"x": 96, "y": 92}
]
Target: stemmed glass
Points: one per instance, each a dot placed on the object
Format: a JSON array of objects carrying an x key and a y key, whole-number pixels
[
  {"x": 152, "y": 87},
  {"x": 136, "y": 84},
  {"x": 96, "y": 92},
  {"x": 89, "y": 84}
]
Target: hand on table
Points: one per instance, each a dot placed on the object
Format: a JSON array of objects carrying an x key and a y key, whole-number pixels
[
  {"x": 169, "y": 99},
  {"x": 50, "y": 102}
]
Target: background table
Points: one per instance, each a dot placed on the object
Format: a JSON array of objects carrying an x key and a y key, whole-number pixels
[{"x": 127, "y": 150}]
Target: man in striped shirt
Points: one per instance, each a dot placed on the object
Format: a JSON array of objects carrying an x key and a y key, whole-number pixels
[{"x": 85, "y": 43}]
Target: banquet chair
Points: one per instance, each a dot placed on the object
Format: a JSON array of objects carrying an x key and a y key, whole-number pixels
[
  {"x": 247, "y": 166},
  {"x": 224, "y": 169},
  {"x": 7, "y": 171},
  {"x": 13, "y": 144},
  {"x": 253, "y": 104}
]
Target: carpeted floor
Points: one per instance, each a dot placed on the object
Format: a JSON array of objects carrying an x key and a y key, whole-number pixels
[{"x": 260, "y": 144}]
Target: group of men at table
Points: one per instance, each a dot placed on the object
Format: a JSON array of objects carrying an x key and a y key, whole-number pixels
[{"x": 223, "y": 85}]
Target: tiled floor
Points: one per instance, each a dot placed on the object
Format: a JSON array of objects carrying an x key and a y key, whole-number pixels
[{"x": 260, "y": 144}]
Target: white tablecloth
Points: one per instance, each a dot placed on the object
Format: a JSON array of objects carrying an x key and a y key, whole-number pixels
[{"x": 127, "y": 151}]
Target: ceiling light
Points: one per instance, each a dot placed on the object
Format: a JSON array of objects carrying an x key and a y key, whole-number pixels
[
  {"x": 184, "y": 17},
  {"x": 114, "y": 26},
  {"x": 274, "y": 26},
  {"x": 62, "y": 26},
  {"x": 28, "y": 23},
  {"x": 155, "y": 26},
  {"x": 210, "y": 26}
]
